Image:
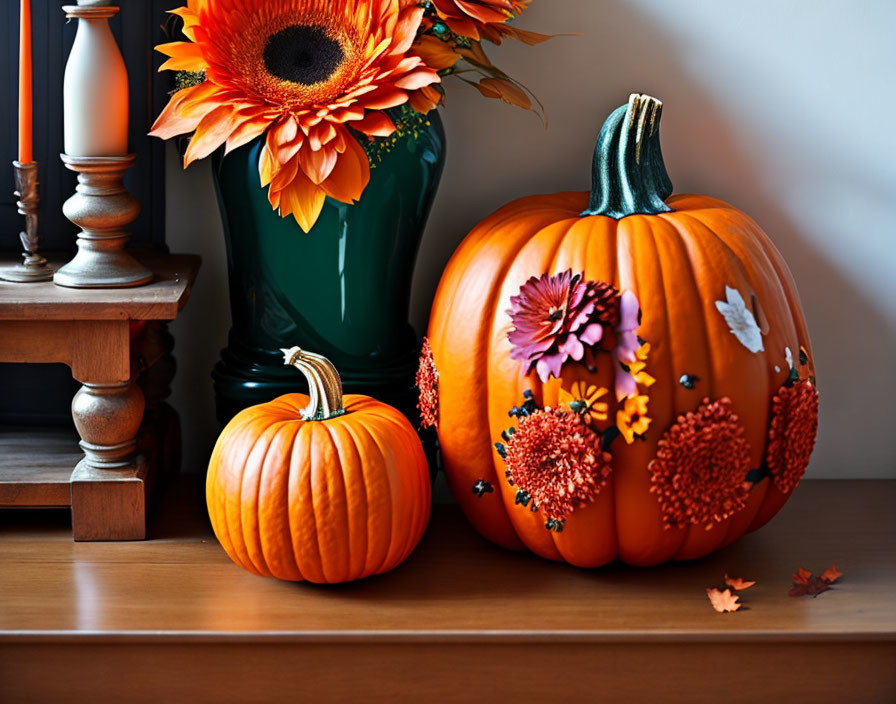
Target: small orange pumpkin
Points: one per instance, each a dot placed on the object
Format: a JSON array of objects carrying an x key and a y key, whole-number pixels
[
  {"x": 621, "y": 375},
  {"x": 323, "y": 489}
]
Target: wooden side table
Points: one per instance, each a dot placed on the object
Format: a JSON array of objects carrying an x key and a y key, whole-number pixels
[{"x": 108, "y": 337}]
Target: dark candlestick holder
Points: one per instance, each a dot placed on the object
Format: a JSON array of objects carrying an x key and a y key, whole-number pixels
[{"x": 33, "y": 267}]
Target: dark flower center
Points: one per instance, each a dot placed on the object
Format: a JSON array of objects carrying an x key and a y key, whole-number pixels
[
  {"x": 555, "y": 314},
  {"x": 302, "y": 54}
]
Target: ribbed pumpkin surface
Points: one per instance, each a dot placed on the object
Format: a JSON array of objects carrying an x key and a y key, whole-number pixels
[
  {"x": 678, "y": 264},
  {"x": 324, "y": 501}
]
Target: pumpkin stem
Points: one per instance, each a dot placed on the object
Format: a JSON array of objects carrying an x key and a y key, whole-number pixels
[
  {"x": 324, "y": 384},
  {"x": 628, "y": 173}
]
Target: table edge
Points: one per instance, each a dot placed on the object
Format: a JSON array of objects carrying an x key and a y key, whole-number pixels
[{"x": 440, "y": 637}]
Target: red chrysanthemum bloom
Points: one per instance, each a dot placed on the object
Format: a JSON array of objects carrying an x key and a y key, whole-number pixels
[
  {"x": 701, "y": 463},
  {"x": 555, "y": 458},
  {"x": 306, "y": 72},
  {"x": 792, "y": 433},
  {"x": 556, "y": 318},
  {"x": 469, "y": 18},
  {"x": 428, "y": 387}
]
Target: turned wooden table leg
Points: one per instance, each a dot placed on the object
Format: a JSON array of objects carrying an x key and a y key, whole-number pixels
[
  {"x": 109, "y": 486},
  {"x": 107, "y": 418}
]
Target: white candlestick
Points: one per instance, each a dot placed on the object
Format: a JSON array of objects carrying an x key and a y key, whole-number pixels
[{"x": 95, "y": 89}]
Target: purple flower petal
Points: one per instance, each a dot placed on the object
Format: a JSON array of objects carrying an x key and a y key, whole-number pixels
[
  {"x": 629, "y": 312},
  {"x": 625, "y": 383},
  {"x": 593, "y": 334},
  {"x": 572, "y": 347}
]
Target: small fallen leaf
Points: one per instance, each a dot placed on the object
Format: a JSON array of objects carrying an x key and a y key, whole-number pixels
[
  {"x": 802, "y": 576},
  {"x": 723, "y": 601},
  {"x": 807, "y": 584},
  {"x": 813, "y": 587},
  {"x": 831, "y": 574},
  {"x": 738, "y": 584}
]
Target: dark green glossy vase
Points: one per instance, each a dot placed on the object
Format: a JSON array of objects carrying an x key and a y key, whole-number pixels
[{"x": 342, "y": 290}]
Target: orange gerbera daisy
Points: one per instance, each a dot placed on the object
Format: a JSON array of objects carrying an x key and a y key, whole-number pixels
[{"x": 305, "y": 72}]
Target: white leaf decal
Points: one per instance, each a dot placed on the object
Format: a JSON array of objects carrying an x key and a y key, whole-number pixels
[{"x": 740, "y": 320}]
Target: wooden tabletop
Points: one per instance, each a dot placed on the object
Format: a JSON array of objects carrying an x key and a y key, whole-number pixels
[
  {"x": 161, "y": 299},
  {"x": 495, "y": 619}
]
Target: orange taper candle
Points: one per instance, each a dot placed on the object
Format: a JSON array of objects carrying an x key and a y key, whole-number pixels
[{"x": 26, "y": 111}]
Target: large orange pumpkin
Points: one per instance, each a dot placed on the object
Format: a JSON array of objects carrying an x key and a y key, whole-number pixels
[
  {"x": 323, "y": 489},
  {"x": 624, "y": 374}
]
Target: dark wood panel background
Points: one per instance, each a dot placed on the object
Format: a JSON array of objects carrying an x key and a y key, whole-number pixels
[
  {"x": 37, "y": 393},
  {"x": 138, "y": 28}
]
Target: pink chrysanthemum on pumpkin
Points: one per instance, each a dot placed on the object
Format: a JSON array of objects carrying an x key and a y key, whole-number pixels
[{"x": 557, "y": 318}]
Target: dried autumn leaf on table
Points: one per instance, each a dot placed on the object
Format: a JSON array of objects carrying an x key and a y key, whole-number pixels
[
  {"x": 738, "y": 584},
  {"x": 723, "y": 601},
  {"x": 831, "y": 574},
  {"x": 812, "y": 587},
  {"x": 807, "y": 584},
  {"x": 801, "y": 576}
]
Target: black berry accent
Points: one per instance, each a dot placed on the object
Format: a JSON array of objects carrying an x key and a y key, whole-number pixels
[
  {"x": 756, "y": 475},
  {"x": 482, "y": 487},
  {"x": 688, "y": 381},
  {"x": 555, "y": 525},
  {"x": 302, "y": 54},
  {"x": 608, "y": 436}
]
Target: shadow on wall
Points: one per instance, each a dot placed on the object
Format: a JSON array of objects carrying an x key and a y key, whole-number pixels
[
  {"x": 194, "y": 225},
  {"x": 498, "y": 153},
  {"x": 707, "y": 151}
]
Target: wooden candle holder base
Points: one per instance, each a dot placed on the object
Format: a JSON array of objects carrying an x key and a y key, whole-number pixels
[{"x": 101, "y": 207}]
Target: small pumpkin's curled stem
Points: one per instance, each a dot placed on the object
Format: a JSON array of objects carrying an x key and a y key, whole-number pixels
[{"x": 324, "y": 384}]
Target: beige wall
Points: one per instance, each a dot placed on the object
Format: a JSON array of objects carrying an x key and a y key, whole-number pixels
[{"x": 778, "y": 107}]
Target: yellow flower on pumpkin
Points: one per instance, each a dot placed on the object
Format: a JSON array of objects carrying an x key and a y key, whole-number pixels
[
  {"x": 637, "y": 369},
  {"x": 632, "y": 418},
  {"x": 305, "y": 72},
  {"x": 584, "y": 399}
]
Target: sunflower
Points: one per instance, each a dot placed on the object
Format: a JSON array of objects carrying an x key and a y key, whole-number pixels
[{"x": 308, "y": 73}]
